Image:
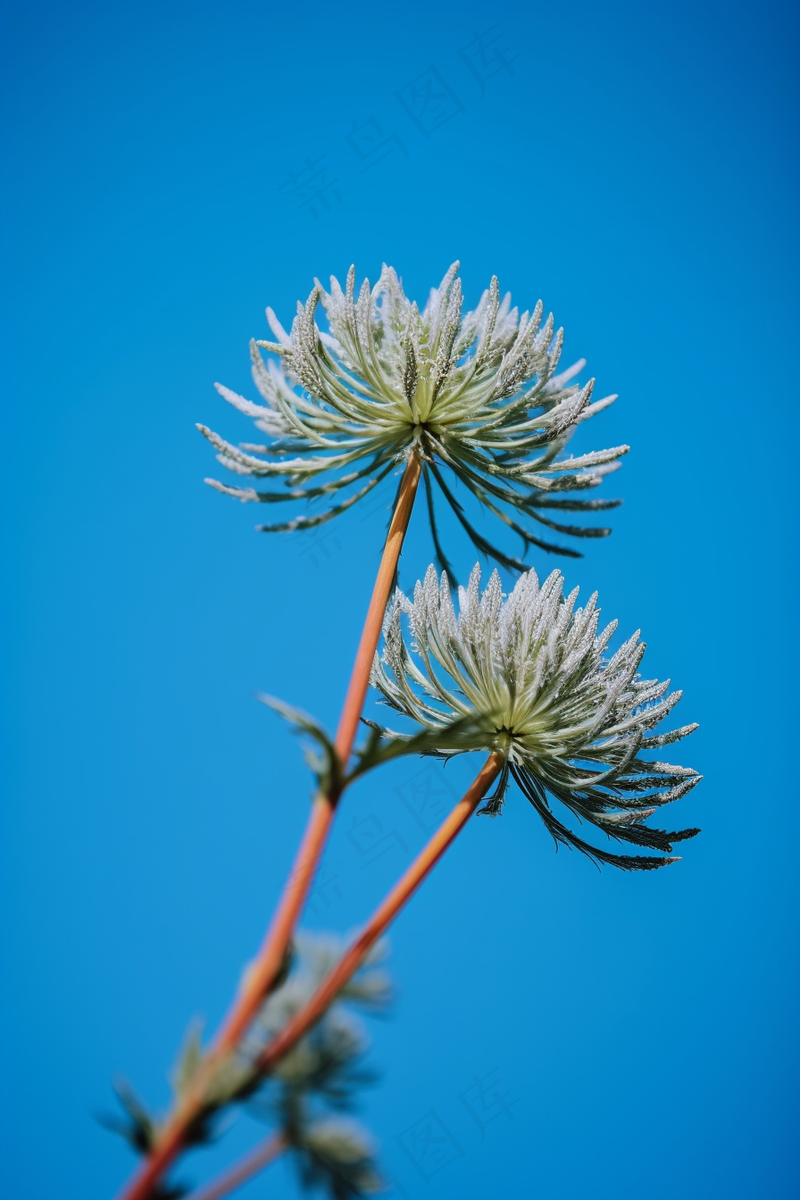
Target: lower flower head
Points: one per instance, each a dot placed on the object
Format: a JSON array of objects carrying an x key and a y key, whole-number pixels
[{"x": 570, "y": 722}]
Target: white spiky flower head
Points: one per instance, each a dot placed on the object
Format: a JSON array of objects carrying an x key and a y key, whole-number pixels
[
  {"x": 570, "y": 722},
  {"x": 475, "y": 393},
  {"x": 340, "y": 1153}
]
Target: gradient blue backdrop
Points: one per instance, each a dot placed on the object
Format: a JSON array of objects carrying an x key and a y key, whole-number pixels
[{"x": 634, "y": 167}]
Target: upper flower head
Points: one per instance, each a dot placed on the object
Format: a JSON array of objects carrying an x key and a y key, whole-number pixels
[
  {"x": 569, "y": 722},
  {"x": 475, "y": 392}
]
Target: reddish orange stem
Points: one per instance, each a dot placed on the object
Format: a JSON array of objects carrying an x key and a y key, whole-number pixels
[
  {"x": 383, "y": 916},
  {"x": 270, "y": 957},
  {"x": 271, "y": 954},
  {"x": 353, "y": 958},
  {"x": 264, "y": 1154}
]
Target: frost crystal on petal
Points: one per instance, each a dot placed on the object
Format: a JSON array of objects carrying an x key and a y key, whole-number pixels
[{"x": 569, "y": 720}]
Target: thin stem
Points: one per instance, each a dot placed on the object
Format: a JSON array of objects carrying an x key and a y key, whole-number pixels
[
  {"x": 347, "y": 966},
  {"x": 271, "y": 955},
  {"x": 387, "y": 572},
  {"x": 265, "y": 1153},
  {"x": 383, "y": 916}
]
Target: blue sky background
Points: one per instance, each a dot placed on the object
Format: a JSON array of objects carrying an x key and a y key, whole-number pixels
[{"x": 634, "y": 167}]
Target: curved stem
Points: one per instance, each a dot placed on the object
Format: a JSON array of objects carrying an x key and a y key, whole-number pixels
[
  {"x": 270, "y": 957},
  {"x": 347, "y": 966},
  {"x": 265, "y": 1153}
]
